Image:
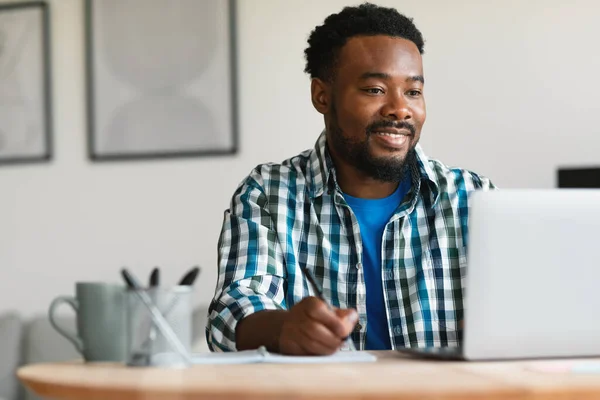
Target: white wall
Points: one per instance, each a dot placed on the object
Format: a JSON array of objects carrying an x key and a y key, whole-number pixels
[{"x": 511, "y": 92}]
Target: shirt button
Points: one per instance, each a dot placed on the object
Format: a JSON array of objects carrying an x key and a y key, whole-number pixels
[
  {"x": 358, "y": 327},
  {"x": 358, "y": 265}
]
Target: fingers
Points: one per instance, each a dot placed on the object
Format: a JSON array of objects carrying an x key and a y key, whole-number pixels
[
  {"x": 312, "y": 327},
  {"x": 291, "y": 347},
  {"x": 320, "y": 312},
  {"x": 316, "y": 349},
  {"x": 319, "y": 339},
  {"x": 349, "y": 317},
  {"x": 309, "y": 338},
  {"x": 306, "y": 346}
]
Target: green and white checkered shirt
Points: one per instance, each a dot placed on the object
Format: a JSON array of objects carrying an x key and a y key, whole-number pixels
[{"x": 288, "y": 216}]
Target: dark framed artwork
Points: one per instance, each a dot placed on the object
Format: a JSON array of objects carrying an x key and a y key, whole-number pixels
[
  {"x": 161, "y": 78},
  {"x": 578, "y": 177},
  {"x": 25, "y": 98}
]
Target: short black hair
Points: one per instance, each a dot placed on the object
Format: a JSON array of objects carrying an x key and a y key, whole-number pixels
[{"x": 326, "y": 41}]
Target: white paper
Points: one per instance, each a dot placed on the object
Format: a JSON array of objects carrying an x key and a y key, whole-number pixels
[{"x": 262, "y": 356}]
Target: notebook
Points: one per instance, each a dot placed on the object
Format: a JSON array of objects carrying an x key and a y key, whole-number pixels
[{"x": 261, "y": 355}]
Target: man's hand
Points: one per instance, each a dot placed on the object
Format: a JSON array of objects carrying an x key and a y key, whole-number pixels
[
  {"x": 308, "y": 328},
  {"x": 311, "y": 327}
]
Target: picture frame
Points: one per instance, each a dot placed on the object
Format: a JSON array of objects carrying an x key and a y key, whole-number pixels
[
  {"x": 25, "y": 83},
  {"x": 578, "y": 177},
  {"x": 161, "y": 79}
]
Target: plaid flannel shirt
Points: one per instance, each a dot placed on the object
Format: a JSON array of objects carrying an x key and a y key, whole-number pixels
[{"x": 287, "y": 216}]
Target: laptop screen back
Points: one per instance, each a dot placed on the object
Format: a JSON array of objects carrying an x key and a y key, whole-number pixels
[{"x": 533, "y": 275}]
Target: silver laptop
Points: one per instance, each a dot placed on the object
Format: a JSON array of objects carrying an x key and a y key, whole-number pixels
[{"x": 533, "y": 276}]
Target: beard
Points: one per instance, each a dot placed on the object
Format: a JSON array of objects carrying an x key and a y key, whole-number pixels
[{"x": 358, "y": 153}]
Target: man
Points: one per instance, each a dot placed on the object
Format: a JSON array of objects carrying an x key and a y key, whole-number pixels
[{"x": 382, "y": 227}]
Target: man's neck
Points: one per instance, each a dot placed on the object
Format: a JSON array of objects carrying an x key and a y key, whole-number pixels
[{"x": 357, "y": 184}]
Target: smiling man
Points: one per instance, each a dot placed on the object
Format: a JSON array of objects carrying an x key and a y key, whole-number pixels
[{"x": 382, "y": 227}]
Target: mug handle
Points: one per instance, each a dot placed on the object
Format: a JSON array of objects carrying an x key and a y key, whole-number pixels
[{"x": 72, "y": 336}]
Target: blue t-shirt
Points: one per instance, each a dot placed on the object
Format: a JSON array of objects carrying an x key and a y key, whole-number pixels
[{"x": 372, "y": 216}]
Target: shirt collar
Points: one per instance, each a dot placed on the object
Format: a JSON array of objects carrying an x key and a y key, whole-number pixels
[
  {"x": 321, "y": 165},
  {"x": 322, "y": 170}
]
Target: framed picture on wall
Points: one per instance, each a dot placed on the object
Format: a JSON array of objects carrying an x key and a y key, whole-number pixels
[
  {"x": 161, "y": 78},
  {"x": 25, "y": 108}
]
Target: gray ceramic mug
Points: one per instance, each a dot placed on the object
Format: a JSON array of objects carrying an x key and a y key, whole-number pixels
[{"x": 101, "y": 316}]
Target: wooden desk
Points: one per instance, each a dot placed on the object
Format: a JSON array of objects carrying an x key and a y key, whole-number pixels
[{"x": 393, "y": 376}]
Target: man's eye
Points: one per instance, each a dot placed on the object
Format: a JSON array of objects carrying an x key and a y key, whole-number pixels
[
  {"x": 373, "y": 90},
  {"x": 414, "y": 93}
]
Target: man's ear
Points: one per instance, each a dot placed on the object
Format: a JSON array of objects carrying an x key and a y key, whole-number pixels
[{"x": 320, "y": 92}]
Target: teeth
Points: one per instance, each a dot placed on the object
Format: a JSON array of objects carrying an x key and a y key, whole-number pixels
[{"x": 389, "y": 134}]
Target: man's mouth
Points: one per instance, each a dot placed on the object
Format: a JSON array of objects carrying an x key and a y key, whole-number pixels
[
  {"x": 393, "y": 138},
  {"x": 393, "y": 132}
]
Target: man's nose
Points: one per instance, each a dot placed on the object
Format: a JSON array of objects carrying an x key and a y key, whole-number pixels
[{"x": 396, "y": 108}]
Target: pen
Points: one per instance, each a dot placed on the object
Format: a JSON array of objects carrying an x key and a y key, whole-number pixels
[
  {"x": 189, "y": 278},
  {"x": 317, "y": 289},
  {"x": 154, "y": 277}
]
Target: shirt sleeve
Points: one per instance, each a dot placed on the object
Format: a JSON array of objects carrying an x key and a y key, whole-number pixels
[
  {"x": 251, "y": 267},
  {"x": 482, "y": 182}
]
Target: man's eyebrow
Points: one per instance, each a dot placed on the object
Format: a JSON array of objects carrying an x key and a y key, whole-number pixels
[
  {"x": 378, "y": 75},
  {"x": 383, "y": 75},
  {"x": 416, "y": 78}
]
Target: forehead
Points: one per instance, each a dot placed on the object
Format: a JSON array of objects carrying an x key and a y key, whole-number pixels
[{"x": 395, "y": 56}]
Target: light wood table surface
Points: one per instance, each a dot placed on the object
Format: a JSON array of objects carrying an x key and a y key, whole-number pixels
[{"x": 393, "y": 376}]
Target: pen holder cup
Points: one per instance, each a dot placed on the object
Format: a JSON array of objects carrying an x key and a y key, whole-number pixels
[{"x": 147, "y": 343}]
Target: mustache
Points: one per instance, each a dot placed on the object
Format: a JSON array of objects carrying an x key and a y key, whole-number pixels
[{"x": 390, "y": 124}]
